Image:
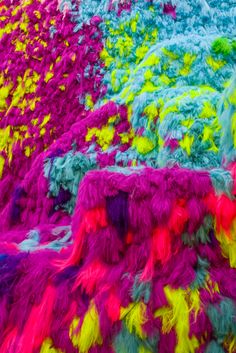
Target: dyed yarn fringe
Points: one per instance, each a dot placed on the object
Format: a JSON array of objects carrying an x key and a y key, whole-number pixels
[
  {"x": 151, "y": 269},
  {"x": 117, "y": 176}
]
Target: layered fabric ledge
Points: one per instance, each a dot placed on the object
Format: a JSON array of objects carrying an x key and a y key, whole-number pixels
[
  {"x": 118, "y": 176},
  {"x": 151, "y": 269}
]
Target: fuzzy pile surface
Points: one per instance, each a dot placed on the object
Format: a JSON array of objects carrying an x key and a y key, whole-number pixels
[{"x": 118, "y": 176}]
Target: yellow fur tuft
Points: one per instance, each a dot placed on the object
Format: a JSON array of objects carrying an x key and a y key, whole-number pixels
[
  {"x": 89, "y": 334},
  {"x": 177, "y": 315},
  {"x": 135, "y": 317}
]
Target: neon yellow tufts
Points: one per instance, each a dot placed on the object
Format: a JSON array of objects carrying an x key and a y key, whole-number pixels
[
  {"x": 154, "y": 33},
  {"x": 188, "y": 61},
  {"x": 109, "y": 44},
  {"x": 10, "y": 27},
  {"x": 125, "y": 91},
  {"x": 34, "y": 121},
  {"x": 4, "y": 137},
  {"x": 150, "y": 61},
  {"x": 161, "y": 103},
  {"x": 231, "y": 344},
  {"x": 4, "y": 93},
  {"x": 45, "y": 120},
  {"x": 232, "y": 254},
  {"x": 208, "y": 88},
  {"x": 151, "y": 111},
  {"x": 208, "y": 136},
  {"x": 135, "y": 317},
  {"x": 215, "y": 64},
  {"x": 106, "y": 58},
  {"x": 148, "y": 87},
  {"x": 124, "y": 45},
  {"x": 208, "y": 111},
  {"x": 9, "y": 136},
  {"x": 89, "y": 334},
  {"x": 27, "y": 151},
  {"x": 164, "y": 112},
  {"x": 195, "y": 93},
  {"x": 133, "y": 25},
  {"x": 195, "y": 302},
  {"x": 89, "y": 101},
  {"x": 114, "y": 84},
  {"x": 148, "y": 74},
  {"x": 125, "y": 138},
  {"x": 188, "y": 122},
  {"x": 27, "y": 84},
  {"x": 73, "y": 333},
  {"x": 186, "y": 143},
  {"x": 62, "y": 87},
  {"x": 130, "y": 98},
  {"x": 16, "y": 10},
  {"x": 112, "y": 119},
  {"x": 42, "y": 131},
  {"x": 232, "y": 98},
  {"x": 129, "y": 112},
  {"x": 140, "y": 53},
  {"x": 226, "y": 83},
  {"x": 207, "y": 133},
  {"x": 170, "y": 54},
  {"x": 47, "y": 347},
  {"x": 2, "y": 162},
  {"x": 90, "y": 134},
  {"x": 228, "y": 245},
  {"x": 165, "y": 79},
  {"x": 211, "y": 286},
  {"x": 125, "y": 77},
  {"x": 48, "y": 76},
  {"x": 142, "y": 144},
  {"x": 104, "y": 136},
  {"x": 24, "y": 23},
  {"x": 42, "y": 125},
  {"x": 36, "y": 76},
  {"x": 177, "y": 315},
  {"x": 19, "y": 46}
]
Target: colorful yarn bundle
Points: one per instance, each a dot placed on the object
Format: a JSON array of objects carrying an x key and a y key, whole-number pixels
[{"x": 117, "y": 176}]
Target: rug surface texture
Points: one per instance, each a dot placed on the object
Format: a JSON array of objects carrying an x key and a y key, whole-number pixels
[{"x": 118, "y": 176}]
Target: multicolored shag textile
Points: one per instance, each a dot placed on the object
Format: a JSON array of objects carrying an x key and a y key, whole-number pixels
[{"x": 118, "y": 176}]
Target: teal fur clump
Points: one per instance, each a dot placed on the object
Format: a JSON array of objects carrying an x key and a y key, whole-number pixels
[
  {"x": 66, "y": 172},
  {"x": 214, "y": 347},
  {"x": 201, "y": 273},
  {"x": 141, "y": 290},
  {"x": 202, "y": 234},
  {"x": 223, "y": 319},
  {"x": 222, "y": 181},
  {"x": 126, "y": 342},
  {"x": 227, "y": 113}
]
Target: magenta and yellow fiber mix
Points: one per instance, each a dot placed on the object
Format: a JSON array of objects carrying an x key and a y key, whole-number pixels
[{"x": 117, "y": 176}]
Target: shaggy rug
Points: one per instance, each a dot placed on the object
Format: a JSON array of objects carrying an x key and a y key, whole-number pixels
[{"x": 117, "y": 176}]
